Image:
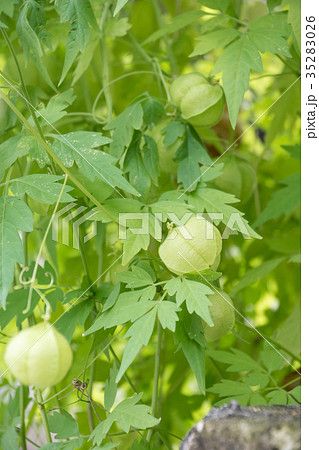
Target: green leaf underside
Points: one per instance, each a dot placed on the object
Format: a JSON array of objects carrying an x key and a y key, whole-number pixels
[
  {"x": 14, "y": 215},
  {"x": 194, "y": 353},
  {"x": 139, "y": 333}
]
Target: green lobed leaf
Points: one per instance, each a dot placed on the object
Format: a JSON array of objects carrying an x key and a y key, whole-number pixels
[
  {"x": 133, "y": 244},
  {"x": 123, "y": 127},
  {"x": 30, "y": 41},
  {"x": 136, "y": 277},
  {"x": 16, "y": 303},
  {"x": 56, "y": 106},
  {"x": 167, "y": 315},
  {"x": 236, "y": 62},
  {"x": 36, "y": 151},
  {"x": 271, "y": 359},
  {"x": 190, "y": 154},
  {"x": 230, "y": 388},
  {"x": 215, "y": 201},
  {"x": 153, "y": 111},
  {"x": 85, "y": 57},
  {"x": 150, "y": 158},
  {"x": 127, "y": 414},
  {"x": 139, "y": 333},
  {"x": 63, "y": 424},
  {"x": 76, "y": 315},
  {"x": 173, "y": 285},
  {"x": 269, "y": 41},
  {"x": 134, "y": 165},
  {"x": 119, "y": 5},
  {"x": 214, "y": 40},
  {"x": 195, "y": 295},
  {"x": 7, "y": 7},
  {"x": 238, "y": 361},
  {"x": 194, "y": 353},
  {"x": 42, "y": 187},
  {"x": 128, "y": 307},
  {"x": 9, "y": 153},
  {"x": 117, "y": 27},
  {"x": 81, "y": 16},
  {"x": 110, "y": 389},
  {"x": 79, "y": 147},
  {"x": 277, "y": 397},
  {"x": 172, "y": 132},
  {"x": 294, "y": 18}
]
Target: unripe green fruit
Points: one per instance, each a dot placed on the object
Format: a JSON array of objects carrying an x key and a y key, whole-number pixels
[
  {"x": 165, "y": 154},
  {"x": 192, "y": 255},
  {"x": 201, "y": 103},
  {"x": 223, "y": 315},
  {"x": 238, "y": 178},
  {"x": 39, "y": 355},
  {"x": 183, "y": 84}
]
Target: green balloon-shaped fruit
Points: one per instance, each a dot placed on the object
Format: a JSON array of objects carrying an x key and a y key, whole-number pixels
[
  {"x": 201, "y": 103},
  {"x": 191, "y": 248},
  {"x": 238, "y": 178},
  {"x": 39, "y": 356},
  {"x": 223, "y": 315}
]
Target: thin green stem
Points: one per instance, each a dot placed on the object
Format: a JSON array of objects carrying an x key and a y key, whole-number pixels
[
  {"x": 170, "y": 53},
  {"x": 161, "y": 76},
  {"x": 22, "y": 415},
  {"x": 156, "y": 375},
  {"x": 57, "y": 400},
  {"x": 43, "y": 413},
  {"x": 18, "y": 430},
  {"x": 140, "y": 49},
  {"x": 90, "y": 389},
  {"x": 105, "y": 66},
  {"x": 291, "y": 382}
]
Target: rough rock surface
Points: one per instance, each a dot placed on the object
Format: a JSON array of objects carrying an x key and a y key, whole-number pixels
[{"x": 233, "y": 427}]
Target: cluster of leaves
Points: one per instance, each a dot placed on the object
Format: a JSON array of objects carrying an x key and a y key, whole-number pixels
[
  {"x": 257, "y": 386},
  {"x": 85, "y": 86}
]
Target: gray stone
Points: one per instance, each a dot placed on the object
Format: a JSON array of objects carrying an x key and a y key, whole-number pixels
[{"x": 233, "y": 427}]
